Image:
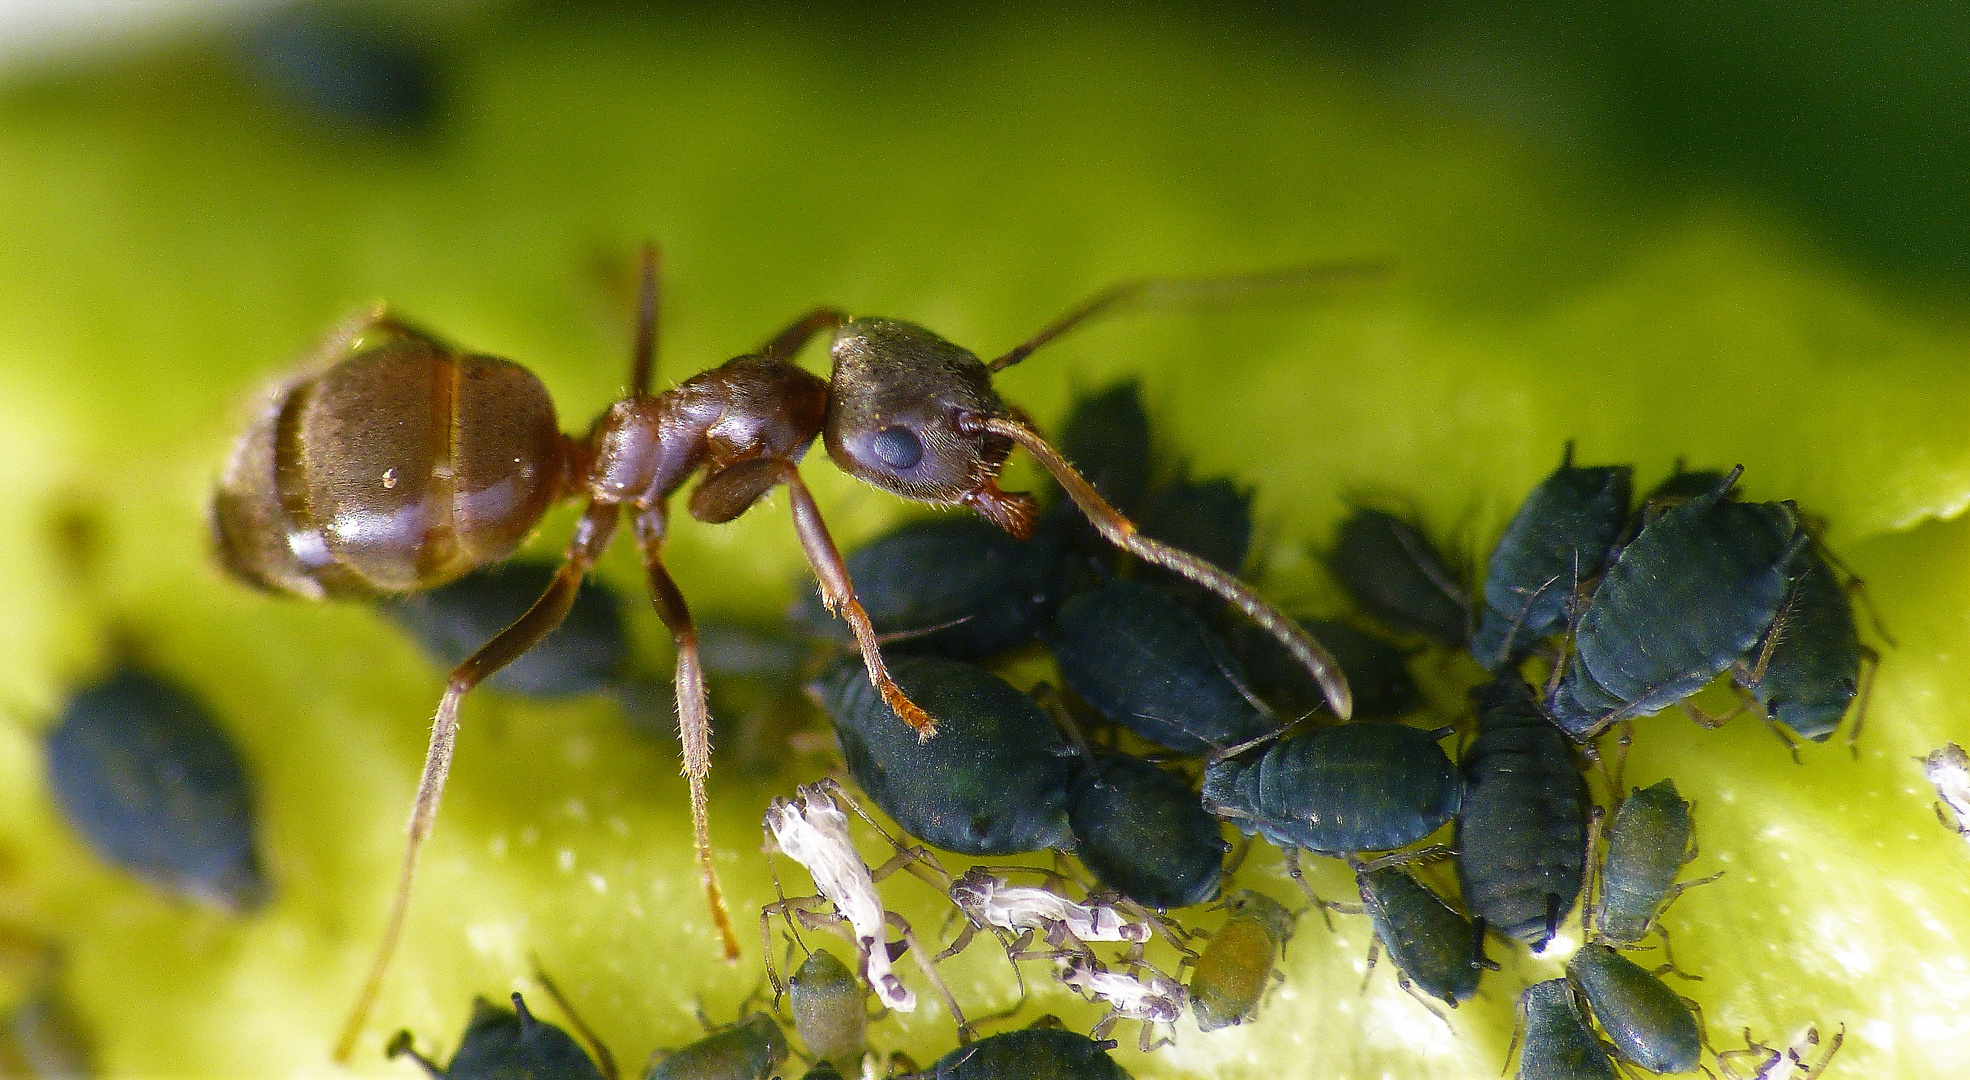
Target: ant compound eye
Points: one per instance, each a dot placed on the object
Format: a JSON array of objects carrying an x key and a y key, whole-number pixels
[{"x": 897, "y": 447}]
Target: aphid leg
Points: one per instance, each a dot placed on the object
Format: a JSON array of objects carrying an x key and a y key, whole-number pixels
[
  {"x": 1858, "y": 587},
  {"x": 1243, "y": 850},
  {"x": 1121, "y": 532},
  {"x": 603, "y": 1056},
  {"x": 1748, "y": 702},
  {"x": 400, "y": 1046},
  {"x": 1592, "y": 885},
  {"x": 766, "y": 928},
  {"x": 788, "y": 342},
  {"x": 1299, "y": 876},
  {"x": 838, "y": 594},
  {"x": 1704, "y": 719},
  {"x": 960, "y": 943},
  {"x": 1409, "y": 988},
  {"x": 929, "y": 966},
  {"x": 1765, "y": 1056},
  {"x": 1478, "y": 959},
  {"x": 1870, "y": 663},
  {"x": 1812, "y": 1039},
  {"x": 693, "y": 710},
  {"x": 592, "y": 534},
  {"x": 915, "y": 858}
]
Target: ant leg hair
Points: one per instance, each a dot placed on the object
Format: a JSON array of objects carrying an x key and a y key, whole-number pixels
[
  {"x": 788, "y": 342},
  {"x": 1121, "y": 532},
  {"x": 643, "y": 357},
  {"x": 1185, "y": 291},
  {"x": 693, "y": 710},
  {"x": 838, "y": 594},
  {"x": 592, "y": 535}
]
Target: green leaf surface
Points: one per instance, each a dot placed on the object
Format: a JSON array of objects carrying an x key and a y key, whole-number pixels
[{"x": 171, "y": 242}]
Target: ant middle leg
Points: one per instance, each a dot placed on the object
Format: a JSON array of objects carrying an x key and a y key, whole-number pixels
[
  {"x": 592, "y": 534},
  {"x": 693, "y": 710}
]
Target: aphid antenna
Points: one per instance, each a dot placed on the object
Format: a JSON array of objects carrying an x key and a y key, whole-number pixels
[
  {"x": 1171, "y": 292},
  {"x": 603, "y": 1057}
]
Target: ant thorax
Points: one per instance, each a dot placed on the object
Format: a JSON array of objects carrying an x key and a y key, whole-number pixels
[
  {"x": 1157, "y": 999},
  {"x": 812, "y": 831},
  {"x": 989, "y": 900}
]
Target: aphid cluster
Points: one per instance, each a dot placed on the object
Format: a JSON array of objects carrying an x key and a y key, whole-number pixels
[{"x": 397, "y": 468}]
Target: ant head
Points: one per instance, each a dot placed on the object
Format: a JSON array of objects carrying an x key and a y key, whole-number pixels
[{"x": 904, "y": 407}]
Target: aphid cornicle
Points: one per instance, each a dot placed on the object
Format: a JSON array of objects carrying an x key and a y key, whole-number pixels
[
  {"x": 500, "y": 1043},
  {"x": 394, "y": 463}
]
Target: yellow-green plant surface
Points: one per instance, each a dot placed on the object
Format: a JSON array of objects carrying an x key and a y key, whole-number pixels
[{"x": 170, "y": 242}]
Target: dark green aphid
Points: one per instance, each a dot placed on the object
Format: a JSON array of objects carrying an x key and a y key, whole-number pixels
[
  {"x": 1036, "y": 1053},
  {"x": 1356, "y": 787},
  {"x": 1433, "y": 947},
  {"x": 1106, "y": 436},
  {"x": 1396, "y": 575},
  {"x": 1647, "y": 844},
  {"x": 507, "y": 1044},
  {"x": 1555, "y": 1041},
  {"x": 1680, "y": 488},
  {"x": 1522, "y": 831},
  {"x": 830, "y": 1013},
  {"x": 1694, "y": 593},
  {"x": 153, "y": 783},
  {"x": 42, "y": 1039},
  {"x": 1561, "y": 537},
  {"x": 984, "y": 590},
  {"x": 1148, "y": 663},
  {"x": 1143, "y": 832},
  {"x": 1229, "y": 978},
  {"x": 1812, "y": 672},
  {"x": 993, "y": 781},
  {"x": 822, "y": 1071},
  {"x": 587, "y": 654},
  {"x": 1649, "y": 1025},
  {"x": 1377, "y": 672},
  {"x": 751, "y": 1049},
  {"x": 1208, "y": 518},
  {"x": 344, "y": 72}
]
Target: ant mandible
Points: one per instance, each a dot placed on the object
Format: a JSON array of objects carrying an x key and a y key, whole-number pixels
[{"x": 392, "y": 462}]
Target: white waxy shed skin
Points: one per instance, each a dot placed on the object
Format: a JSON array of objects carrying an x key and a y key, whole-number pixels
[{"x": 812, "y": 830}]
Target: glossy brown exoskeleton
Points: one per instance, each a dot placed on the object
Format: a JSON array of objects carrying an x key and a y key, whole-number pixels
[{"x": 393, "y": 462}]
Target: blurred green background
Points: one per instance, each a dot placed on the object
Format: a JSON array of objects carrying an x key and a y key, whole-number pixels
[{"x": 1729, "y": 232}]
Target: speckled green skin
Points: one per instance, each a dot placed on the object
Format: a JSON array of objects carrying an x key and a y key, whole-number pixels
[
  {"x": 1143, "y": 832},
  {"x": 1393, "y": 571},
  {"x": 1356, "y": 787},
  {"x": 1814, "y": 669}
]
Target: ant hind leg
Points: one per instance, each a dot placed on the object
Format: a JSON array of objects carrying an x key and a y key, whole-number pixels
[
  {"x": 693, "y": 711},
  {"x": 592, "y": 535}
]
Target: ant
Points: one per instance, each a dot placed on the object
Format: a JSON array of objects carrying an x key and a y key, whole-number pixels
[{"x": 392, "y": 462}]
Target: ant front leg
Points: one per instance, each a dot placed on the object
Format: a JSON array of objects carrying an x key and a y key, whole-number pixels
[
  {"x": 592, "y": 535},
  {"x": 693, "y": 709},
  {"x": 1118, "y": 530},
  {"x": 838, "y": 594}
]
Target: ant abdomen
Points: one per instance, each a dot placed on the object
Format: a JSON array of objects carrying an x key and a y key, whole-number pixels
[{"x": 404, "y": 467}]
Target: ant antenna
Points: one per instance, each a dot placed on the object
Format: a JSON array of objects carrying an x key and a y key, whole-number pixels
[
  {"x": 1121, "y": 532},
  {"x": 1181, "y": 292},
  {"x": 643, "y": 361}
]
